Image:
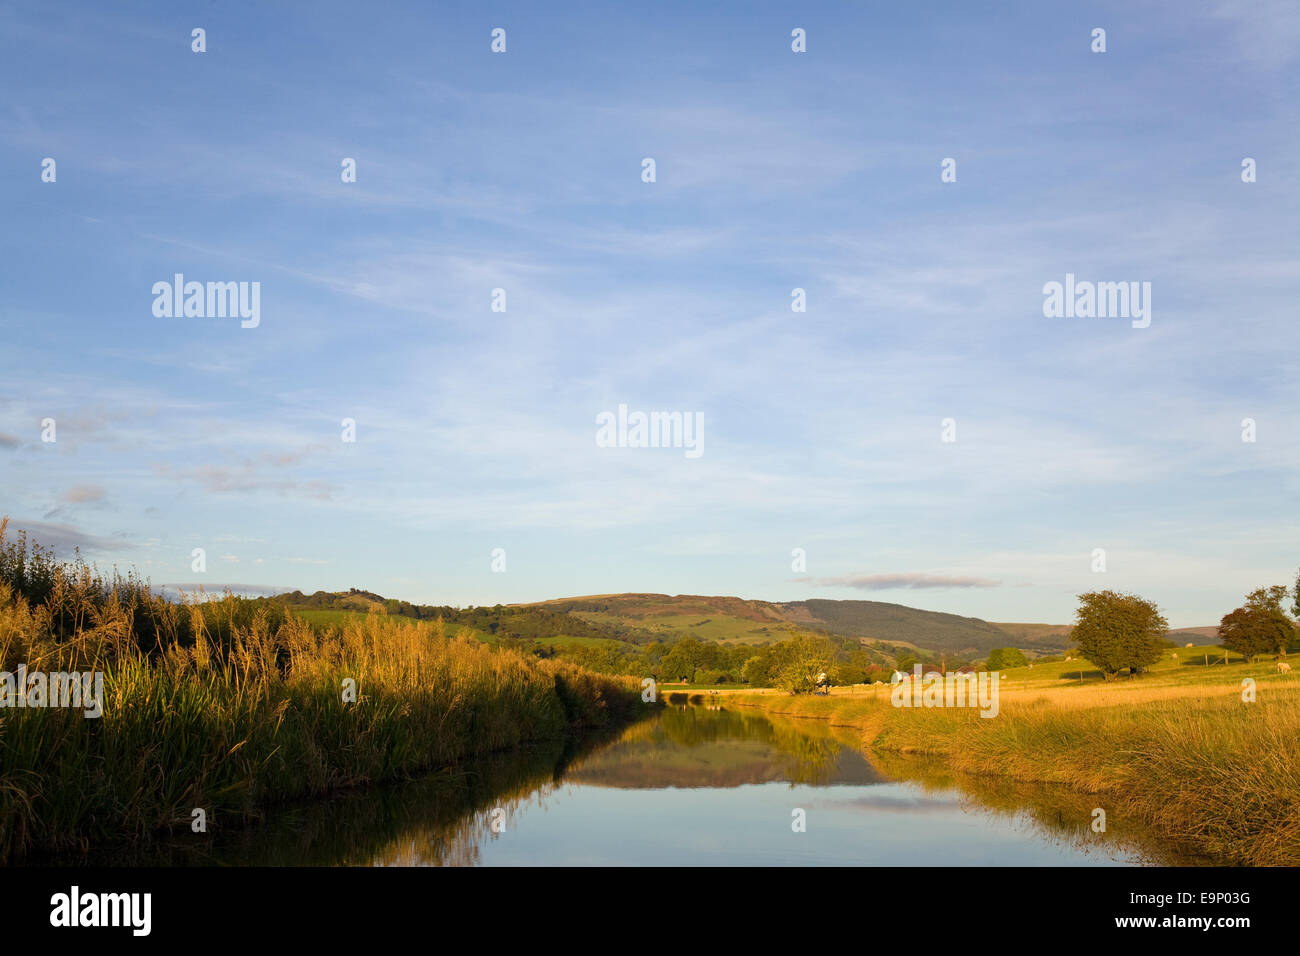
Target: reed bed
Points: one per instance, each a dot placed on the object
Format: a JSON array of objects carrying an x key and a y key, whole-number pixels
[{"x": 211, "y": 707}]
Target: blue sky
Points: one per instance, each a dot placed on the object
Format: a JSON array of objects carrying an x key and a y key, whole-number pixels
[{"x": 775, "y": 170}]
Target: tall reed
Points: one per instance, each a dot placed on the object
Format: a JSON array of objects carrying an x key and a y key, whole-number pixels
[{"x": 210, "y": 706}]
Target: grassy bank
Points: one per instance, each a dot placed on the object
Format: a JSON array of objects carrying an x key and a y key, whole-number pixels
[
  {"x": 1194, "y": 761},
  {"x": 203, "y": 709}
]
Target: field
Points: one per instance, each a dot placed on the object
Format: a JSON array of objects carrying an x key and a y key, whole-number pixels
[
  {"x": 1179, "y": 748},
  {"x": 1183, "y": 666}
]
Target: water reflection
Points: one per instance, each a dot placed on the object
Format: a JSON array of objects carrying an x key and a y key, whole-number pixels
[
  {"x": 1053, "y": 813},
  {"x": 699, "y": 747},
  {"x": 688, "y": 785}
]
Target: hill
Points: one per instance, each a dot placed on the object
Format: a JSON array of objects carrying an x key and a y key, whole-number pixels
[
  {"x": 1033, "y": 634},
  {"x": 640, "y": 618},
  {"x": 739, "y": 620},
  {"x": 932, "y": 630}
]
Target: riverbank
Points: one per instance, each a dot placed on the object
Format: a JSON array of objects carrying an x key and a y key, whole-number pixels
[
  {"x": 1199, "y": 763},
  {"x": 209, "y": 715}
]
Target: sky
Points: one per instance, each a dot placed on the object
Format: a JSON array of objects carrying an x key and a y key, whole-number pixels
[{"x": 774, "y": 170}]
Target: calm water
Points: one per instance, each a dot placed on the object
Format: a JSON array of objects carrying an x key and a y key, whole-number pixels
[{"x": 690, "y": 786}]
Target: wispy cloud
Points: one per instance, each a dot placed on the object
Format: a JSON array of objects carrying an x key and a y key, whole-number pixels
[
  {"x": 896, "y": 582},
  {"x": 246, "y": 479},
  {"x": 83, "y": 494},
  {"x": 63, "y": 539}
]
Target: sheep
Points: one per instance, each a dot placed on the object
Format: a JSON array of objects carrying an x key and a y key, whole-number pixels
[{"x": 1283, "y": 667}]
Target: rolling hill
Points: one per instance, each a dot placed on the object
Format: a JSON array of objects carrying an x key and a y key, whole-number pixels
[
  {"x": 639, "y": 618},
  {"x": 734, "y": 619}
]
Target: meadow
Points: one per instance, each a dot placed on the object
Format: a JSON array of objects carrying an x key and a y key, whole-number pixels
[
  {"x": 222, "y": 707},
  {"x": 1178, "y": 749}
]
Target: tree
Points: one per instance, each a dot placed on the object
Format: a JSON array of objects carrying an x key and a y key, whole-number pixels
[
  {"x": 1117, "y": 631},
  {"x": 685, "y": 658},
  {"x": 1001, "y": 657},
  {"x": 805, "y": 659},
  {"x": 842, "y": 675},
  {"x": 1267, "y": 599},
  {"x": 1251, "y": 631},
  {"x": 755, "y": 671},
  {"x": 1260, "y": 626}
]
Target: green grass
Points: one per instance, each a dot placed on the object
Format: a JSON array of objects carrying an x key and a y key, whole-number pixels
[{"x": 1188, "y": 667}]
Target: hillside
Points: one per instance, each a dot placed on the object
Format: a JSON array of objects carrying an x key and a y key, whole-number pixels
[
  {"x": 1195, "y": 635},
  {"x": 1030, "y": 635},
  {"x": 640, "y": 618},
  {"x": 669, "y": 617},
  {"x": 738, "y": 620},
  {"x": 932, "y": 630}
]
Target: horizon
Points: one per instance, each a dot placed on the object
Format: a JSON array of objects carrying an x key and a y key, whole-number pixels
[
  {"x": 821, "y": 432},
  {"x": 215, "y": 590}
]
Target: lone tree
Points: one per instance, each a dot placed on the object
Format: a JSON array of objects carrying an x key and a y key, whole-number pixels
[
  {"x": 1116, "y": 631},
  {"x": 1259, "y": 626}
]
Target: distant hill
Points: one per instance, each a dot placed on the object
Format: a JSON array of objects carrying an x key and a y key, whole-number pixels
[
  {"x": 638, "y": 618},
  {"x": 736, "y": 619},
  {"x": 1196, "y": 635},
  {"x": 1033, "y": 634},
  {"x": 733, "y": 619},
  {"x": 932, "y": 630},
  {"x": 668, "y": 617}
]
